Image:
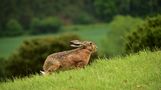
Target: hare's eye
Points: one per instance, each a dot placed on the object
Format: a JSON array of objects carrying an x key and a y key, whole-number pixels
[{"x": 90, "y": 43}]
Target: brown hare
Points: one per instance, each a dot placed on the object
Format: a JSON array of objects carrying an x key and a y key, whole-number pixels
[{"x": 76, "y": 58}]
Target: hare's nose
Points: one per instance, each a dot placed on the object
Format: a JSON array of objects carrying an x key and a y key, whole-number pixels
[{"x": 96, "y": 48}]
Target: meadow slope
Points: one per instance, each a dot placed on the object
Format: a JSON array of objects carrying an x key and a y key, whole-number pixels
[{"x": 140, "y": 71}]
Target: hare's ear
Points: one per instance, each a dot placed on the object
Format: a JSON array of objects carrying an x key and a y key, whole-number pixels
[
  {"x": 76, "y": 42},
  {"x": 73, "y": 45}
]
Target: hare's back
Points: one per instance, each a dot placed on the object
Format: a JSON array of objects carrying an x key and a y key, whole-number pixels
[{"x": 59, "y": 55}]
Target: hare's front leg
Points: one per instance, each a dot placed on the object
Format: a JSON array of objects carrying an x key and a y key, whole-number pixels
[{"x": 81, "y": 64}]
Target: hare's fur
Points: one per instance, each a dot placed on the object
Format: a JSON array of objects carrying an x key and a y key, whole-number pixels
[{"x": 76, "y": 58}]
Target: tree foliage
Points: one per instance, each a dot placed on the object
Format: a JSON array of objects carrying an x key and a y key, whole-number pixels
[
  {"x": 73, "y": 11},
  {"x": 106, "y": 9}
]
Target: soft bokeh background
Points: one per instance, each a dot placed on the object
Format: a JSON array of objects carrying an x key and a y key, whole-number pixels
[{"x": 32, "y": 29}]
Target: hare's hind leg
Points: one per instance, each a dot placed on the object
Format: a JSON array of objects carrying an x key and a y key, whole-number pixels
[{"x": 53, "y": 68}]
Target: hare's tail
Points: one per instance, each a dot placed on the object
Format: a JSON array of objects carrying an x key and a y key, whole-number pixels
[{"x": 42, "y": 72}]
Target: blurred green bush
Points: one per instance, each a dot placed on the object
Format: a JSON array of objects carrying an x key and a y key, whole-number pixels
[
  {"x": 147, "y": 36},
  {"x": 30, "y": 56},
  {"x": 13, "y": 28},
  {"x": 113, "y": 44},
  {"x": 46, "y": 25}
]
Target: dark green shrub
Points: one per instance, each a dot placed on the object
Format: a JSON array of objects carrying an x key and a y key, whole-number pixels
[
  {"x": 147, "y": 36},
  {"x": 3, "y": 73},
  {"x": 46, "y": 25},
  {"x": 13, "y": 28},
  {"x": 31, "y": 55}
]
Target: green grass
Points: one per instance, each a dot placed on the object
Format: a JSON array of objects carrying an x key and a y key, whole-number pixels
[
  {"x": 95, "y": 32},
  {"x": 134, "y": 72}
]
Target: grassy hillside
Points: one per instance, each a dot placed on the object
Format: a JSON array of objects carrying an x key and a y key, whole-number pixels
[{"x": 134, "y": 72}]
